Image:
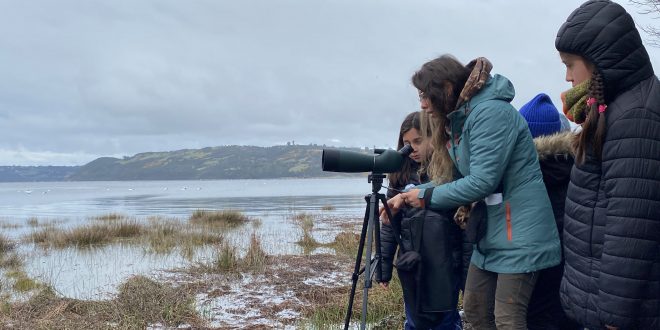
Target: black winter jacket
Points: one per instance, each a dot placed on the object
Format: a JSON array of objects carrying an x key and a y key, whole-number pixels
[
  {"x": 612, "y": 220},
  {"x": 461, "y": 249},
  {"x": 544, "y": 311},
  {"x": 556, "y": 160}
]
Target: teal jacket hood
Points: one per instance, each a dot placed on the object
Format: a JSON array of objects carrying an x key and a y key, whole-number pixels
[{"x": 496, "y": 88}]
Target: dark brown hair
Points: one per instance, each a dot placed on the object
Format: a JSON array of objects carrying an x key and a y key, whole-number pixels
[
  {"x": 594, "y": 126},
  {"x": 399, "y": 179},
  {"x": 441, "y": 80}
]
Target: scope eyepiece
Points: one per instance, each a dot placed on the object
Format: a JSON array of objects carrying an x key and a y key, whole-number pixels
[{"x": 406, "y": 150}]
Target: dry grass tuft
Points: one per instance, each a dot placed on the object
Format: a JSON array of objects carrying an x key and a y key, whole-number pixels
[
  {"x": 256, "y": 257},
  {"x": 225, "y": 259},
  {"x": 224, "y": 218},
  {"x": 10, "y": 260},
  {"x": 140, "y": 303},
  {"x": 346, "y": 243},
  {"x": 22, "y": 283},
  {"x": 86, "y": 236},
  {"x": 6, "y": 245},
  {"x": 163, "y": 237},
  {"x": 306, "y": 223},
  {"x": 158, "y": 235},
  {"x": 304, "y": 220}
]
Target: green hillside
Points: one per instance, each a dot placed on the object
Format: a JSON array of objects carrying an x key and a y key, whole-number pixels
[{"x": 226, "y": 162}]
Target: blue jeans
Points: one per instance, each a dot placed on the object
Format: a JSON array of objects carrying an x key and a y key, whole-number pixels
[{"x": 451, "y": 321}]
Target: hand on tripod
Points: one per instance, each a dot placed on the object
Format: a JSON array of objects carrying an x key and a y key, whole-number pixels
[{"x": 395, "y": 204}]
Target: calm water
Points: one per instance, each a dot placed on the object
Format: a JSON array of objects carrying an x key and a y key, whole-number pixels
[
  {"x": 20, "y": 201},
  {"x": 96, "y": 273}
]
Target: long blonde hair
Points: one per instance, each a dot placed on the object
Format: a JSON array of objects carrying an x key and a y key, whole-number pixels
[{"x": 439, "y": 167}]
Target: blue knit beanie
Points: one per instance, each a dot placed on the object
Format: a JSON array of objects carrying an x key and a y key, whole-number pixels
[{"x": 541, "y": 115}]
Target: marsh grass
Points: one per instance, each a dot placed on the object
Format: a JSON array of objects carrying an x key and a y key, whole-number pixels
[
  {"x": 164, "y": 237},
  {"x": 86, "y": 236},
  {"x": 256, "y": 257},
  {"x": 143, "y": 301},
  {"x": 9, "y": 225},
  {"x": 306, "y": 223},
  {"x": 256, "y": 223},
  {"x": 222, "y": 218},
  {"x": 345, "y": 243},
  {"x": 22, "y": 283},
  {"x": 139, "y": 303},
  {"x": 157, "y": 235},
  {"x": 10, "y": 260},
  {"x": 6, "y": 245},
  {"x": 225, "y": 259},
  {"x": 33, "y": 222},
  {"x": 327, "y": 208},
  {"x": 327, "y": 307},
  {"x": 110, "y": 217},
  {"x": 304, "y": 220}
]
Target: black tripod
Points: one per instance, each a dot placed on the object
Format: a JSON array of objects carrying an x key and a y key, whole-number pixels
[{"x": 370, "y": 232}]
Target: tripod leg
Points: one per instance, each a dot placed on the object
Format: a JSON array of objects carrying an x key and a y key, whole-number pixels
[
  {"x": 377, "y": 256},
  {"x": 356, "y": 270},
  {"x": 373, "y": 218}
]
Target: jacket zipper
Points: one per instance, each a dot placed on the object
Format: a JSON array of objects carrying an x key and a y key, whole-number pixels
[{"x": 509, "y": 234}]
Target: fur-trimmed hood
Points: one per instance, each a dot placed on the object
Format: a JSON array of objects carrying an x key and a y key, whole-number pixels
[
  {"x": 556, "y": 159},
  {"x": 557, "y": 144}
]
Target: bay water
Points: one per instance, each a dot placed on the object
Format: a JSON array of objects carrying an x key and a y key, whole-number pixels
[{"x": 95, "y": 273}]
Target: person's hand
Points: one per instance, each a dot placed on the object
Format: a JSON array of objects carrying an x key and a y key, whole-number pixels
[
  {"x": 410, "y": 198},
  {"x": 384, "y": 285},
  {"x": 395, "y": 204}
]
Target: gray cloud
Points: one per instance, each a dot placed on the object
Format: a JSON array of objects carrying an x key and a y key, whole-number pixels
[{"x": 84, "y": 79}]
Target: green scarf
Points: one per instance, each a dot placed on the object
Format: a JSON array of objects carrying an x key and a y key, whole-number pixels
[{"x": 575, "y": 102}]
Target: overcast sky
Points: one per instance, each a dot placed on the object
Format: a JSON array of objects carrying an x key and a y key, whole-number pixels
[{"x": 85, "y": 79}]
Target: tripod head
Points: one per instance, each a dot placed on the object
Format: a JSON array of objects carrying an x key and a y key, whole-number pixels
[{"x": 376, "y": 180}]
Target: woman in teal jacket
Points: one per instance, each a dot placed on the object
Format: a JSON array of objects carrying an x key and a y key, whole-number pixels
[{"x": 490, "y": 145}]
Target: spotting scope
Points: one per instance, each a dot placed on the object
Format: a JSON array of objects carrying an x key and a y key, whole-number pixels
[{"x": 382, "y": 161}]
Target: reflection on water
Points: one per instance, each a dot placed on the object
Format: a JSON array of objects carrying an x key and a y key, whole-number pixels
[{"x": 93, "y": 274}]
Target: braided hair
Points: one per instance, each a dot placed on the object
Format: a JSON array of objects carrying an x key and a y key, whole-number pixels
[{"x": 594, "y": 126}]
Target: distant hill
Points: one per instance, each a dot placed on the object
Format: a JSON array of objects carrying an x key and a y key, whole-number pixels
[
  {"x": 226, "y": 162},
  {"x": 36, "y": 173}
]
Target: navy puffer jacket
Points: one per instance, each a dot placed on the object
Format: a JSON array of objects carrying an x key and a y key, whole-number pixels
[{"x": 612, "y": 219}]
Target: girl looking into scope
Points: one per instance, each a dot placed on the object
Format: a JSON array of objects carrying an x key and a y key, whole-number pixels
[{"x": 436, "y": 238}]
